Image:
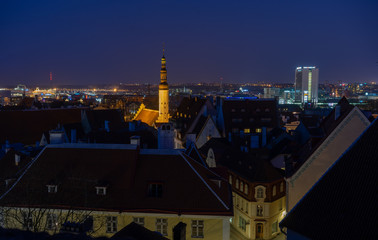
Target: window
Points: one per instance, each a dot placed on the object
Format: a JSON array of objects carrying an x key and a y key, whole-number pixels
[
  {"x": 274, "y": 227},
  {"x": 230, "y": 179},
  {"x": 51, "y": 221},
  {"x": 101, "y": 190},
  {"x": 28, "y": 222},
  {"x": 162, "y": 226},
  {"x": 139, "y": 220},
  {"x": 246, "y": 130},
  {"x": 281, "y": 187},
  {"x": 274, "y": 190},
  {"x": 259, "y": 211},
  {"x": 260, "y": 193},
  {"x": 258, "y": 130},
  {"x": 155, "y": 190},
  {"x": 52, "y": 188},
  {"x": 111, "y": 224},
  {"x": 237, "y": 184},
  {"x": 246, "y": 189},
  {"x": 241, "y": 186},
  {"x": 242, "y": 223},
  {"x": 197, "y": 228}
]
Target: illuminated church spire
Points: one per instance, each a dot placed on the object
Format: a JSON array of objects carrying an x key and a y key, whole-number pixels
[{"x": 163, "y": 93}]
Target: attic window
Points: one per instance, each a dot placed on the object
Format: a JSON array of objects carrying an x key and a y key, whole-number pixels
[
  {"x": 101, "y": 190},
  {"x": 52, "y": 188},
  {"x": 155, "y": 190}
]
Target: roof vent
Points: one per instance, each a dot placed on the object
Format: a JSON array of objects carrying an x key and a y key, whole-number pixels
[{"x": 17, "y": 159}]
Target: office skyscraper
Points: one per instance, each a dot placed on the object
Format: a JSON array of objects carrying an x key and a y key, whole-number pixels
[{"x": 306, "y": 85}]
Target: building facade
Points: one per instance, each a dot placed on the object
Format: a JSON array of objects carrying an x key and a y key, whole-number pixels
[{"x": 306, "y": 85}]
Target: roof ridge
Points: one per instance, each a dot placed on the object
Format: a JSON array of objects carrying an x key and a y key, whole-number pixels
[{"x": 203, "y": 180}]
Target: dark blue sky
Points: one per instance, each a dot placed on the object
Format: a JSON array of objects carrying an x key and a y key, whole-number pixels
[{"x": 85, "y": 42}]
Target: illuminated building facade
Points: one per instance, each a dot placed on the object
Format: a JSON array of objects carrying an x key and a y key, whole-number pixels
[
  {"x": 306, "y": 85},
  {"x": 163, "y": 94}
]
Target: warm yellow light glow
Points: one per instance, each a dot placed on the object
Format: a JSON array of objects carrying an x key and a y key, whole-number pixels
[
  {"x": 246, "y": 130},
  {"x": 258, "y": 130},
  {"x": 115, "y": 89}
]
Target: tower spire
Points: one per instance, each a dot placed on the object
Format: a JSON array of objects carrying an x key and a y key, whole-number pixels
[{"x": 163, "y": 92}]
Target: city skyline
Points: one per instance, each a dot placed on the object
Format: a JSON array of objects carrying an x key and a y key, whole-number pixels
[{"x": 118, "y": 42}]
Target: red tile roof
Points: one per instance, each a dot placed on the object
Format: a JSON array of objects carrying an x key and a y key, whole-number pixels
[
  {"x": 188, "y": 187},
  {"x": 28, "y": 126}
]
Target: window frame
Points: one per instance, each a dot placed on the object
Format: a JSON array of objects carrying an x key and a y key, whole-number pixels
[
  {"x": 196, "y": 226},
  {"x": 111, "y": 224},
  {"x": 139, "y": 220},
  {"x": 162, "y": 226}
]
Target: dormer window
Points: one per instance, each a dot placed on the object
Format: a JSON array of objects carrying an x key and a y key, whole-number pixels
[
  {"x": 52, "y": 188},
  {"x": 155, "y": 190},
  {"x": 101, "y": 190},
  {"x": 260, "y": 194}
]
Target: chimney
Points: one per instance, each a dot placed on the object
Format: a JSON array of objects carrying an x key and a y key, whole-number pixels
[
  {"x": 107, "y": 129},
  {"x": 132, "y": 126},
  {"x": 254, "y": 141},
  {"x": 17, "y": 159},
  {"x": 73, "y": 135},
  {"x": 337, "y": 111},
  {"x": 7, "y": 146},
  {"x": 135, "y": 140},
  {"x": 263, "y": 137},
  {"x": 179, "y": 231}
]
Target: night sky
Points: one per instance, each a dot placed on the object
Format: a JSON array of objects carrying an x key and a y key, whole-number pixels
[{"x": 84, "y": 42}]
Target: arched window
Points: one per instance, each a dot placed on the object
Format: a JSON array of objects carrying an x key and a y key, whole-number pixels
[
  {"x": 210, "y": 160},
  {"x": 246, "y": 189},
  {"x": 241, "y": 186},
  {"x": 260, "y": 193},
  {"x": 237, "y": 184},
  {"x": 274, "y": 190}
]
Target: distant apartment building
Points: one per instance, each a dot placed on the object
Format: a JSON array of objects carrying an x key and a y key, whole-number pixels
[{"x": 306, "y": 85}]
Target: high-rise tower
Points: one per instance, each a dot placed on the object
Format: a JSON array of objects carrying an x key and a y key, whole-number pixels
[
  {"x": 306, "y": 85},
  {"x": 163, "y": 94}
]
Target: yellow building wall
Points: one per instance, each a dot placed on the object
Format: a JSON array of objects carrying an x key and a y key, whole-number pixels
[
  {"x": 213, "y": 226},
  {"x": 271, "y": 213}
]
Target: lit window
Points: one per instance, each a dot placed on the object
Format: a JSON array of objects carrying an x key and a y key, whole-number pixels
[
  {"x": 52, "y": 188},
  {"x": 197, "y": 228},
  {"x": 51, "y": 221},
  {"x": 258, "y": 130},
  {"x": 274, "y": 190},
  {"x": 259, "y": 211},
  {"x": 162, "y": 226},
  {"x": 246, "y": 130},
  {"x": 237, "y": 184},
  {"x": 155, "y": 190},
  {"x": 242, "y": 223},
  {"x": 111, "y": 224},
  {"x": 139, "y": 220},
  {"x": 101, "y": 190},
  {"x": 246, "y": 189}
]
